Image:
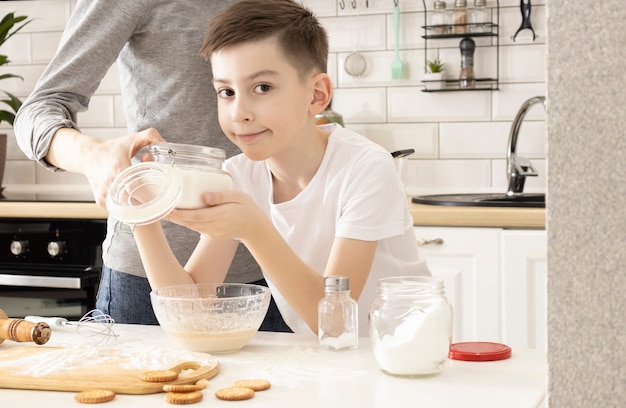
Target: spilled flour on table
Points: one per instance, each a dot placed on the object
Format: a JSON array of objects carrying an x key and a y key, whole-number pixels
[
  {"x": 292, "y": 368},
  {"x": 131, "y": 358}
]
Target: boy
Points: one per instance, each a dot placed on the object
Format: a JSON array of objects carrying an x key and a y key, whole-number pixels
[{"x": 308, "y": 201}]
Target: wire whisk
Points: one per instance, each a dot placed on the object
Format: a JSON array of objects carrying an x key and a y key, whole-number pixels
[{"x": 95, "y": 326}]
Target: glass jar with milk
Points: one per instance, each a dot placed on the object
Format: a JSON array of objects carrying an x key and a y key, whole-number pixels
[
  {"x": 410, "y": 326},
  {"x": 166, "y": 176}
]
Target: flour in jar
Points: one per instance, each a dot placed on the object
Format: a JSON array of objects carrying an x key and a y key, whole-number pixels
[
  {"x": 197, "y": 182},
  {"x": 419, "y": 345}
]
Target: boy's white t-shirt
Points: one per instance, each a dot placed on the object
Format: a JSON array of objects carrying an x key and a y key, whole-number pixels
[{"x": 356, "y": 193}]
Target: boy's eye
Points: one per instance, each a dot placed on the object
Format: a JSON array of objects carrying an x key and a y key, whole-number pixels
[
  {"x": 225, "y": 93},
  {"x": 262, "y": 88}
]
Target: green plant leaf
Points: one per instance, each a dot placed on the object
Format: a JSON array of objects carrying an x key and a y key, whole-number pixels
[
  {"x": 9, "y": 26},
  {"x": 6, "y": 116}
]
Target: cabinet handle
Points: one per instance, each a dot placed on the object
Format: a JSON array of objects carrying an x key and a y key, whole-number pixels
[{"x": 436, "y": 241}]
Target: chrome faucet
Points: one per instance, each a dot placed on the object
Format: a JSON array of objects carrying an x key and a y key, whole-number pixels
[{"x": 518, "y": 168}]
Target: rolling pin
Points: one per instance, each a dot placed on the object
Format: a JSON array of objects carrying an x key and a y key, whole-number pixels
[{"x": 22, "y": 331}]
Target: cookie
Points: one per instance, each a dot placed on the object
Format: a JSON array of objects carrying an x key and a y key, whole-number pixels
[
  {"x": 159, "y": 376},
  {"x": 182, "y": 398},
  {"x": 256, "y": 385},
  {"x": 234, "y": 393},
  {"x": 202, "y": 383},
  {"x": 95, "y": 396},
  {"x": 183, "y": 387}
]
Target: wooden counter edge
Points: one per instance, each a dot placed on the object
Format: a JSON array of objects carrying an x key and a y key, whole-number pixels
[
  {"x": 423, "y": 215},
  {"x": 65, "y": 210},
  {"x": 459, "y": 216}
]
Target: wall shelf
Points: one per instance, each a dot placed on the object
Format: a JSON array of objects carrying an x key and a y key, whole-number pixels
[{"x": 489, "y": 29}]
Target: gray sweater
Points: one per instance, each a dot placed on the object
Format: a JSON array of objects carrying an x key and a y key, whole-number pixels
[{"x": 165, "y": 84}]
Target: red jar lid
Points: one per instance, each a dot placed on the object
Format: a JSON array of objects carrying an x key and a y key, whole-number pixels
[{"x": 479, "y": 351}]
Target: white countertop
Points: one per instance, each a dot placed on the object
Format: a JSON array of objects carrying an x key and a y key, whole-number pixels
[{"x": 304, "y": 376}]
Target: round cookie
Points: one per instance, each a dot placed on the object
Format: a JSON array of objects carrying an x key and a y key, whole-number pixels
[
  {"x": 182, "y": 398},
  {"x": 95, "y": 396},
  {"x": 159, "y": 376},
  {"x": 234, "y": 393},
  {"x": 256, "y": 385},
  {"x": 182, "y": 387}
]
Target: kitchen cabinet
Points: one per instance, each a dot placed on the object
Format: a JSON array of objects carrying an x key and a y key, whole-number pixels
[
  {"x": 524, "y": 288},
  {"x": 495, "y": 279},
  {"x": 467, "y": 261}
]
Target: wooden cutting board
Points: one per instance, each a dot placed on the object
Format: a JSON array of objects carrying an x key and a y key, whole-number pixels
[{"x": 116, "y": 373}]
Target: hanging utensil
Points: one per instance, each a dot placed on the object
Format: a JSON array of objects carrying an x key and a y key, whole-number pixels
[
  {"x": 525, "y": 8},
  {"x": 355, "y": 64},
  {"x": 397, "y": 68}
]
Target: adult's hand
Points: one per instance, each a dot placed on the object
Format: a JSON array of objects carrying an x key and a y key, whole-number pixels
[{"x": 98, "y": 160}]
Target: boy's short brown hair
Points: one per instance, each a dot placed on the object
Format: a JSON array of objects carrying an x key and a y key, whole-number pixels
[{"x": 300, "y": 35}]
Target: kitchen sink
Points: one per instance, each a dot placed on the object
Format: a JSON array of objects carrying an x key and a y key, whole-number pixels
[{"x": 525, "y": 200}]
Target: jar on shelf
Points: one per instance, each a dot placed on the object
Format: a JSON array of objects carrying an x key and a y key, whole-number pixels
[
  {"x": 410, "y": 326},
  {"x": 166, "y": 176},
  {"x": 479, "y": 17},
  {"x": 440, "y": 19},
  {"x": 337, "y": 316},
  {"x": 460, "y": 17}
]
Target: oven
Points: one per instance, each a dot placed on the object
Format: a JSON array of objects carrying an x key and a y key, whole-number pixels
[{"x": 49, "y": 266}]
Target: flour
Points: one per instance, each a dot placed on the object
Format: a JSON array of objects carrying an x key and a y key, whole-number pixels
[
  {"x": 197, "y": 182},
  {"x": 345, "y": 341},
  {"x": 419, "y": 345},
  {"x": 292, "y": 368},
  {"x": 138, "y": 357}
]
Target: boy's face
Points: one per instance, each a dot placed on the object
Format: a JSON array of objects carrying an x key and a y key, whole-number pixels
[{"x": 264, "y": 106}]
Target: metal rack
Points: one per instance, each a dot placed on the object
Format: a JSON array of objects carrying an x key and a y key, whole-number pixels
[{"x": 452, "y": 85}]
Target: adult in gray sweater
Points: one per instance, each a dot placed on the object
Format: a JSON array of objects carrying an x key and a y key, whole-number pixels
[{"x": 167, "y": 96}]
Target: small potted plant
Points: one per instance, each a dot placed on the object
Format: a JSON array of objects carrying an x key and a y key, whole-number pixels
[
  {"x": 433, "y": 77},
  {"x": 9, "y": 25}
]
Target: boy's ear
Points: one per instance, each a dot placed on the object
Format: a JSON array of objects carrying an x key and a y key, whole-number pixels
[{"x": 322, "y": 93}]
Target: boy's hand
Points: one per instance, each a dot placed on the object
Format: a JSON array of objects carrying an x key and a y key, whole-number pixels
[{"x": 229, "y": 215}]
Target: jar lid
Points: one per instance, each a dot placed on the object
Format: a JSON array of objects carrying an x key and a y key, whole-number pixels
[
  {"x": 439, "y": 5},
  {"x": 180, "y": 154},
  {"x": 166, "y": 149},
  {"x": 479, "y": 351},
  {"x": 336, "y": 283},
  {"x": 144, "y": 193}
]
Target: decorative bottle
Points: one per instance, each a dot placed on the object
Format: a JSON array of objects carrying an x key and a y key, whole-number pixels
[
  {"x": 460, "y": 17},
  {"x": 479, "y": 17},
  {"x": 337, "y": 316},
  {"x": 466, "y": 78}
]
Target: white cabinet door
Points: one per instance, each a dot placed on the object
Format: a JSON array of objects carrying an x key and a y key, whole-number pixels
[
  {"x": 467, "y": 259},
  {"x": 524, "y": 288}
]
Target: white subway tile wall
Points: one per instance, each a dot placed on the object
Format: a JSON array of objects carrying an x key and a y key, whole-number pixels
[{"x": 460, "y": 138}]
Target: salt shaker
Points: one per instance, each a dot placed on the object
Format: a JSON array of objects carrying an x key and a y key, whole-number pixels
[
  {"x": 479, "y": 17},
  {"x": 410, "y": 326},
  {"x": 439, "y": 18},
  {"x": 337, "y": 316}
]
